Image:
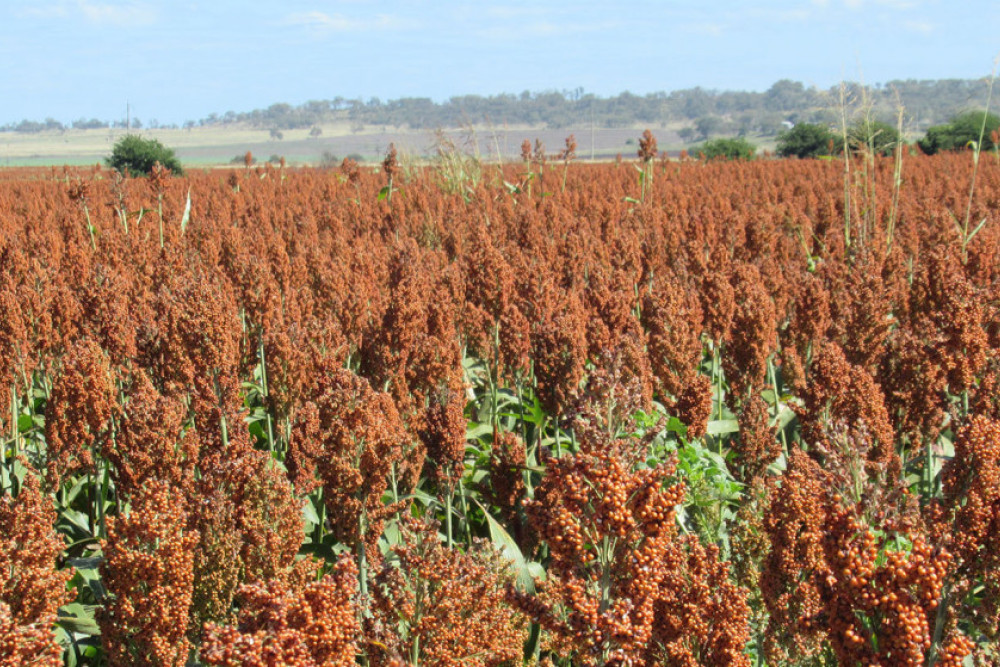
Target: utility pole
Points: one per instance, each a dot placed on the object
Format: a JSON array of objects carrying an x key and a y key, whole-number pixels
[{"x": 128, "y": 119}]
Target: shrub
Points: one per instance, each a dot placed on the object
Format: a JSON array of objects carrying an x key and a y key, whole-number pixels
[
  {"x": 874, "y": 135},
  {"x": 963, "y": 129},
  {"x": 138, "y": 155},
  {"x": 730, "y": 149},
  {"x": 805, "y": 140}
]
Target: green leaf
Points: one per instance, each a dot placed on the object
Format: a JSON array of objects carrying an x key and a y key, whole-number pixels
[
  {"x": 675, "y": 425},
  {"x": 309, "y": 513},
  {"x": 958, "y": 225},
  {"x": 24, "y": 423},
  {"x": 536, "y": 570},
  {"x": 508, "y": 547},
  {"x": 329, "y": 553},
  {"x": 257, "y": 430},
  {"x": 186, "y": 218},
  {"x": 77, "y": 521},
  {"x": 79, "y": 619},
  {"x": 383, "y": 194},
  {"x": 91, "y": 563},
  {"x": 722, "y": 426},
  {"x": 785, "y": 416},
  {"x": 975, "y": 231},
  {"x": 478, "y": 431},
  {"x": 534, "y": 637}
]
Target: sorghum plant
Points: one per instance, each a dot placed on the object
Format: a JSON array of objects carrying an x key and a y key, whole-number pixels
[{"x": 436, "y": 605}]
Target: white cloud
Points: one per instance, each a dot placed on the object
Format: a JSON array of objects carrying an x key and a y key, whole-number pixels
[
  {"x": 121, "y": 14},
  {"x": 51, "y": 11},
  {"x": 549, "y": 28},
  {"x": 504, "y": 12},
  {"x": 924, "y": 27},
  {"x": 899, "y": 5},
  {"x": 323, "y": 22},
  {"x": 538, "y": 26},
  {"x": 713, "y": 29}
]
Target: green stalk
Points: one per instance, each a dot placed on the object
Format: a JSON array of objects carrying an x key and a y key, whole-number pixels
[
  {"x": 928, "y": 471},
  {"x": 777, "y": 405},
  {"x": 558, "y": 444},
  {"x": 717, "y": 372},
  {"x": 95, "y": 486},
  {"x": 90, "y": 227},
  {"x": 975, "y": 166},
  {"x": 363, "y": 610},
  {"x": 103, "y": 498},
  {"x": 520, "y": 410},
  {"x": 159, "y": 210},
  {"x": 15, "y": 433},
  {"x": 362, "y": 556},
  {"x": 448, "y": 501},
  {"x": 607, "y": 548},
  {"x": 263, "y": 384},
  {"x": 319, "y": 531},
  {"x": 394, "y": 483},
  {"x": 465, "y": 512},
  {"x": 897, "y": 182},
  {"x": 939, "y": 620},
  {"x": 847, "y": 167},
  {"x": 6, "y": 480}
]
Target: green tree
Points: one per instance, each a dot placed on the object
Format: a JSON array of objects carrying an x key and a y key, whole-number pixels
[
  {"x": 708, "y": 125},
  {"x": 730, "y": 149},
  {"x": 805, "y": 140},
  {"x": 963, "y": 129},
  {"x": 138, "y": 155},
  {"x": 873, "y": 135}
]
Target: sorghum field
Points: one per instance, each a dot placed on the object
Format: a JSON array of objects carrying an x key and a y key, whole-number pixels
[{"x": 646, "y": 412}]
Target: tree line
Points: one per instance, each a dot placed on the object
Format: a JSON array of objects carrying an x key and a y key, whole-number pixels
[{"x": 711, "y": 112}]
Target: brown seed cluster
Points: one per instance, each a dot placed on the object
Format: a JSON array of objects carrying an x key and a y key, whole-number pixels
[
  {"x": 148, "y": 570},
  {"x": 623, "y": 587},
  {"x": 306, "y": 626},
  {"x": 27, "y": 643},
  {"x": 31, "y": 587},
  {"x": 434, "y": 605},
  {"x": 356, "y": 338},
  {"x": 647, "y": 147},
  {"x": 971, "y": 485},
  {"x": 82, "y": 402},
  {"x": 844, "y": 569},
  {"x": 349, "y": 439}
]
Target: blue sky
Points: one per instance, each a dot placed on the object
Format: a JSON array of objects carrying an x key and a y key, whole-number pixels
[{"x": 181, "y": 60}]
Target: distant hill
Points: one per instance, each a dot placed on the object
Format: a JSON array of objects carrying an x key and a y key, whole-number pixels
[{"x": 705, "y": 112}]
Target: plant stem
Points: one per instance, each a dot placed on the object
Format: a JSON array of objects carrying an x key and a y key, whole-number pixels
[
  {"x": 263, "y": 385},
  {"x": 448, "y": 501},
  {"x": 975, "y": 166},
  {"x": 465, "y": 512},
  {"x": 847, "y": 166},
  {"x": 90, "y": 228}
]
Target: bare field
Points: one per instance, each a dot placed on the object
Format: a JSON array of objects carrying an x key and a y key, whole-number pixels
[{"x": 212, "y": 146}]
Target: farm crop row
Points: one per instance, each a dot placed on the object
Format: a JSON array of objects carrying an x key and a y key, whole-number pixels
[{"x": 670, "y": 412}]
